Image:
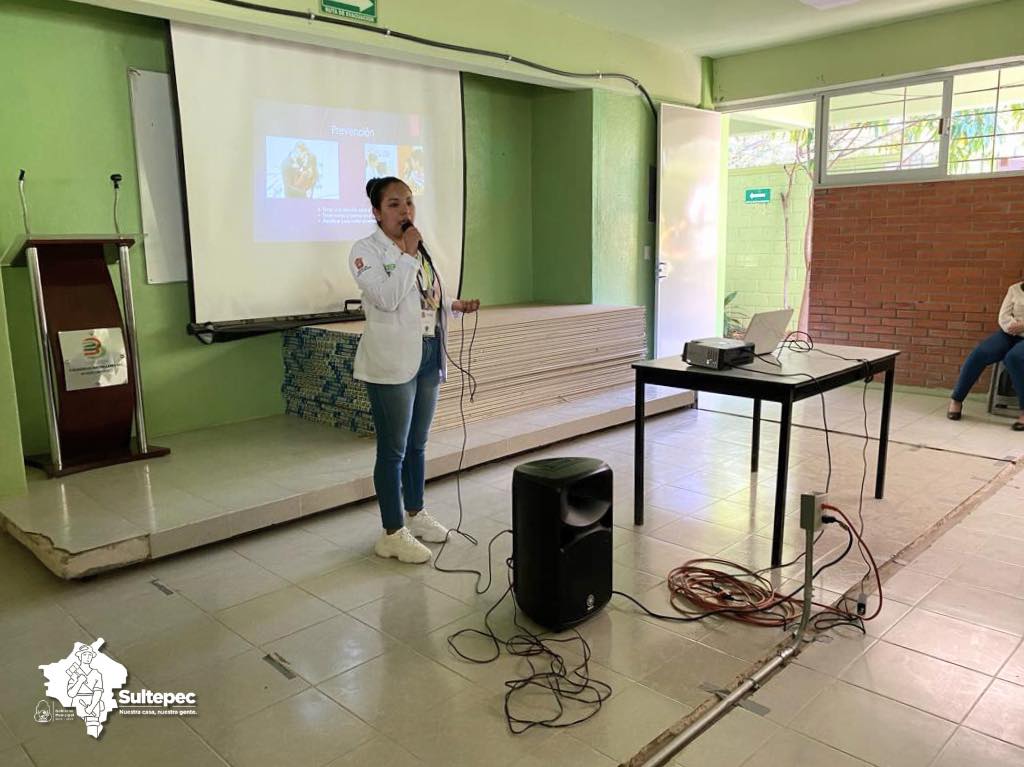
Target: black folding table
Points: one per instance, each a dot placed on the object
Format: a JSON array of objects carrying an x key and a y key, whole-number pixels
[{"x": 801, "y": 375}]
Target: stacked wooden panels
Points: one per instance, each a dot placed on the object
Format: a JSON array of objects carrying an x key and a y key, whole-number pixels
[{"x": 523, "y": 357}]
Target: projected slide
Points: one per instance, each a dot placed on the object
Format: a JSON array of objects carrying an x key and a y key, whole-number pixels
[
  {"x": 313, "y": 164},
  {"x": 277, "y": 143},
  {"x": 301, "y": 168}
]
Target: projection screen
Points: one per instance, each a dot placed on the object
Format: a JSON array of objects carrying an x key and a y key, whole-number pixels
[{"x": 278, "y": 141}]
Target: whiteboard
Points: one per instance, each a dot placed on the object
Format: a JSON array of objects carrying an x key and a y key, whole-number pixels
[{"x": 160, "y": 187}]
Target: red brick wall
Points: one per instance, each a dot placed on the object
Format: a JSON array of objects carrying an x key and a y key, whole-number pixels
[{"x": 918, "y": 267}]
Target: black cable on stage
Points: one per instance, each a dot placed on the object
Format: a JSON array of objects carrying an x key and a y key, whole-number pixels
[
  {"x": 383, "y": 31},
  {"x": 549, "y": 672}
]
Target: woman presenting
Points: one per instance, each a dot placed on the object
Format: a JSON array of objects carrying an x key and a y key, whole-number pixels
[
  {"x": 401, "y": 358},
  {"x": 1006, "y": 345}
]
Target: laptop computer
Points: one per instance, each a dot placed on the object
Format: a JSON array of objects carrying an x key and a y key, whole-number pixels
[{"x": 767, "y": 329}]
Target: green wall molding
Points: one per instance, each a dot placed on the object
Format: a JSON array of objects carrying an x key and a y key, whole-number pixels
[
  {"x": 960, "y": 37},
  {"x": 524, "y": 29}
]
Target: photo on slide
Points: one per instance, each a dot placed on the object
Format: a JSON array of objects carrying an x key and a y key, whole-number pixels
[
  {"x": 410, "y": 162},
  {"x": 381, "y": 160},
  {"x": 302, "y": 168}
]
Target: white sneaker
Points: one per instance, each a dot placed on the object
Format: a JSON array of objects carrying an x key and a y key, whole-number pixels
[
  {"x": 426, "y": 527},
  {"x": 401, "y": 546}
]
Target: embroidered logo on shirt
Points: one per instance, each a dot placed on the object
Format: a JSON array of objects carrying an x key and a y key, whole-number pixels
[
  {"x": 360, "y": 266},
  {"x": 388, "y": 268}
]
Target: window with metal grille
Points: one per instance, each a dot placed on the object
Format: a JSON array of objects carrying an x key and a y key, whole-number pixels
[
  {"x": 987, "y": 122},
  {"x": 885, "y": 130}
]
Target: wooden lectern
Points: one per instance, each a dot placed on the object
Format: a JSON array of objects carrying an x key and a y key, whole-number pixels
[{"x": 87, "y": 350}]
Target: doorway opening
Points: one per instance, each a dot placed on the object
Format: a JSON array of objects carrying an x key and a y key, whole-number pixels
[{"x": 770, "y": 192}]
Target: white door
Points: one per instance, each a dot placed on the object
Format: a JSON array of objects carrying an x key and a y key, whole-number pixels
[{"x": 689, "y": 173}]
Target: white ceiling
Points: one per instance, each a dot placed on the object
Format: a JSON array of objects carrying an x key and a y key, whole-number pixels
[{"x": 720, "y": 27}]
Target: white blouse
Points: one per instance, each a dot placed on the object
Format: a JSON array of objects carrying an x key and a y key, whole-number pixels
[
  {"x": 1012, "y": 308},
  {"x": 392, "y": 344}
]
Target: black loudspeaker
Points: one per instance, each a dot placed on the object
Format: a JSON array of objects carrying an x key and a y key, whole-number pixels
[{"x": 562, "y": 539}]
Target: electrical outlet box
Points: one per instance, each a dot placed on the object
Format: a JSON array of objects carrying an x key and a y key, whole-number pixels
[{"x": 811, "y": 511}]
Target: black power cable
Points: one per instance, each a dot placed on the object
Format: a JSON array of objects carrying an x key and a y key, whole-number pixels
[
  {"x": 385, "y": 32},
  {"x": 568, "y": 685},
  {"x": 824, "y": 412},
  {"x": 804, "y": 346}
]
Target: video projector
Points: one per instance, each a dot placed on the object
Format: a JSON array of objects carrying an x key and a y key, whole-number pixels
[{"x": 718, "y": 353}]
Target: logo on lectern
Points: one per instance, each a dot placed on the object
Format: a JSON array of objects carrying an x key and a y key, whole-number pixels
[{"x": 92, "y": 346}]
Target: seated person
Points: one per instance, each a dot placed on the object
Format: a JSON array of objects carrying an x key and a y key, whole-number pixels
[{"x": 1006, "y": 345}]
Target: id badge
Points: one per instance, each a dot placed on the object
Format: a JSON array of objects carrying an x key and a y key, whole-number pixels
[{"x": 428, "y": 318}]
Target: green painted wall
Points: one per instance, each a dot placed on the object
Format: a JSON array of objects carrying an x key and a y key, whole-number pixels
[
  {"x": 12, "y": 475},
  {"x": 562, "y": 166},
  {"x": 65, "y": 66},
  {"x": 498, "y": 268},
  {"x": 755, "y": 250},
  {"x": 975, "y": 34},
  {"x": 551, "y": 183},
  {"x": 622, "y": 154}
]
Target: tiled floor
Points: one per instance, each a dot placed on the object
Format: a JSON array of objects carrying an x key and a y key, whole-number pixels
[
  {"x": 370, "y": 678},
  {"x": 939, "y": 684},
  {"x": 225, "y": 481},
  {"x": 917, "y": 419}
]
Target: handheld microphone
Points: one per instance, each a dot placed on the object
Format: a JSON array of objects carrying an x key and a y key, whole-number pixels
[
  {"x": 422, "y": 249},
  {"x": 24, "y": 204},
  {"x": 115, "y": 178}
]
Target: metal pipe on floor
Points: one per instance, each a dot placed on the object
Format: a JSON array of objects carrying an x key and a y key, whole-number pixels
[{"x": 666, "y": 753}]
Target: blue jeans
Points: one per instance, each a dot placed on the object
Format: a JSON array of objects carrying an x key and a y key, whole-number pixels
[
  {"x": 401, "y": 416},
  {"x": 998, "y": 347}
]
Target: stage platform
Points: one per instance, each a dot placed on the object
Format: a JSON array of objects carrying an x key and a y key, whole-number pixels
[{"x": 226, "y": 481}]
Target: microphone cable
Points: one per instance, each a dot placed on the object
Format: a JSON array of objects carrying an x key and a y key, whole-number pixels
[
  {"x": 24, "y": 204},
  {"x": 569, "y": 686},
  {"x": 464, "y": 366},
  {"x": 115, "y": 179}
]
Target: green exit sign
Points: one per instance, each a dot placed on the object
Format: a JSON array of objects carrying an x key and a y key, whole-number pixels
[
  {"x": 361, "y": 10},
  {"x": 757, "y": 195}
]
